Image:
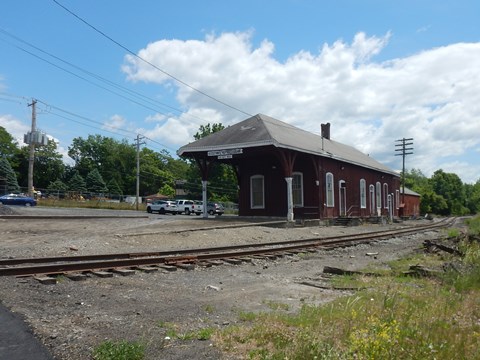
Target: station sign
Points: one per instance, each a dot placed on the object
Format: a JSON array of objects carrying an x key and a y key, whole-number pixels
[{"x": 225, "y": 154}]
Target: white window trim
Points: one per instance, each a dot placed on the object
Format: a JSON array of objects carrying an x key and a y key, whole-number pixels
[
  {"x": 252, "y": 178},
  {"x": 363, "y": 195},
  {"x": 397, "y": 198},
  {"x": 301, "y": 188},
  {"x": 332, "y": 191}
]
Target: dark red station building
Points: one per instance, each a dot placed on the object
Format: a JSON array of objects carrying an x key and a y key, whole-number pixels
[{"x": 284, "y": 171}]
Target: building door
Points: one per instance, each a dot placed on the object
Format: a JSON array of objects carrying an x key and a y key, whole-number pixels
[{"x": 342, "y": 189}]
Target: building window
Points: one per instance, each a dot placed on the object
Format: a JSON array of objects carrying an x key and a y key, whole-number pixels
[
  {"x": 397, "y": 198},
  {"x": 385, "y": 195},
  {"x": 257, "y": 192},
  {"x": 372, "y": 199},
  {"x": 330, "y": 190},
  {"x": 378, "y": 189},
  {"x": 297, "y": 189},
  {"x": 363, "y": 194}
]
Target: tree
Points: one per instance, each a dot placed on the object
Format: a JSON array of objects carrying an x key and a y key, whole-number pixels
[
  {"x": 222, "y": 180},
  {"x": 7, "y": 173},
  {"x": 95, "y": 182},
  {"x": 205, "y": 130},
  {"x": 114, "y": 159},
  {"x": 57, "y": 187},
  {"x": 77, "y": 183},
  {"x": 113, "y": 188},
  {"x": 451, "y": 188},
  {"x": 472, "y": 193},
  {"x": 8, "y": 145},
  {"x": 167, "y": 190},
  {"x": 48, "y": 165},
  {"x": 153, "y": 171}
]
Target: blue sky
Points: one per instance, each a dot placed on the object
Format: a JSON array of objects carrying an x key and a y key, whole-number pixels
[{"x": 378, "y": 71}]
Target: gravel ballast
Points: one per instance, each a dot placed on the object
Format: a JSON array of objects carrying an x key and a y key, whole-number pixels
[{"x": 72, "y": 317}]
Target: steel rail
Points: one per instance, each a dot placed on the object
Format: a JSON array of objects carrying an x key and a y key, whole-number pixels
[
  {"x": 112, "y": 261},
  {"x": 373, "y": 234}
]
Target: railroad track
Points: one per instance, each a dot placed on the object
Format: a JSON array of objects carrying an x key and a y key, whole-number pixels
[{"x": 45, "y": 269}]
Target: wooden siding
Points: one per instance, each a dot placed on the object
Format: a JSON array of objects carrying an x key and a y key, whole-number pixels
[
  {"x": 267, "y": 164},
  {"x": 411, "y": 207}
]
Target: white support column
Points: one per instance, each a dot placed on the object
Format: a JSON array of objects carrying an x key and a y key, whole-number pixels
[
  {"x": 289, "y": 199},
  {"x": 204, "y": 198}
]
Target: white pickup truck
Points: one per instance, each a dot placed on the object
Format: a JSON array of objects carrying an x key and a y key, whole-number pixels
[{"x": 188, "y": 207}]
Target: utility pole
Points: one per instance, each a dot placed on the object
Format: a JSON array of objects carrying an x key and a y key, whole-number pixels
[
  {"x": 31, "y": 157},
  {"x": 138, "y": 143},
  {"x": 403, "y": 150}
]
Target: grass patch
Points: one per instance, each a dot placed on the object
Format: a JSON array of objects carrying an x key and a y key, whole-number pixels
[
  {"x": 119, "y": 350},
  {"x": 274, "y": 305},
  {"x": 247, "y": 316},
  {"x": 394, "y": 317}
]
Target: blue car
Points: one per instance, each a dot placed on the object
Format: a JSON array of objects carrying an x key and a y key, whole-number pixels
[{"x": 17, "y": 199}]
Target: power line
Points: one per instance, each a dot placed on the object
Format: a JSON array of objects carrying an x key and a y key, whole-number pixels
[
  {"x": 110, "y": 83},
  {"x": 148, "y": 62},
  {"x": 126, "y": 133}
]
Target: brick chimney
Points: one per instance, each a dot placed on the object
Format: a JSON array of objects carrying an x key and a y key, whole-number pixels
[{"x": 326, "y": 131}]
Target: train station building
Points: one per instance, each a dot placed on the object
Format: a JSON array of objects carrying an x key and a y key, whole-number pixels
[{"x": 284, "y": 171}]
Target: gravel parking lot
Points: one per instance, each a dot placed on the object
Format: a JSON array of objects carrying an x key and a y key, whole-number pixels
[{"x": 71, "y": 318}]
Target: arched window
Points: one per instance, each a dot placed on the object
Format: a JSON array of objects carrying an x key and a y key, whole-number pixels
[
  {"x": 378, "y": 188},
  {"x": 330, "y": 201},
  {"x": 372, "y": 199},
  {"x": 257, "y": 192},
  {"x": 363, "y": 194},
  {"x": 385, "y": 195},
  {"x": 297, "y": 189}
]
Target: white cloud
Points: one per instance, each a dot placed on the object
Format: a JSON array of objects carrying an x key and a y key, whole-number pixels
[
  {"x": 432, "y": 96},
  {"x": 14, "y": 127},
  {"x": 115, "y": 122}
]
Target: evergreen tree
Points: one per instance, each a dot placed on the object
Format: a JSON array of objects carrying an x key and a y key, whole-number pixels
[
  {"x": 8, "y": 145},
  {"x": 57, "y": 187},
  {"x": 77, "y": 183},
  {"x": 113, "y": 188},
  {"x": 95, "y": 182},
  {"x": 7, "y": 173}
]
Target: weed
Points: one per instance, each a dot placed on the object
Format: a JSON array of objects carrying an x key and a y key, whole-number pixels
[
  {"x": 120, "y": 350},
  {"x": 209, "y": 309},
  {"x": 453, "y": 233},
  {"x": 276, "y": 305},
  {"x": 205, "y": 334},
  {"x": 395, "y": 317},
  {"x": 247, "y": 316}
]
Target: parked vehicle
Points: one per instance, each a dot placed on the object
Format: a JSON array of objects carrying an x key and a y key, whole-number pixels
[
  {"x": 17, "y": 199},
  {"x": 162, "y": 207},
  {"x": 186, "y": 206},
  {"x": 215, "y": 208},
  {"x": 198, "y": 207}
]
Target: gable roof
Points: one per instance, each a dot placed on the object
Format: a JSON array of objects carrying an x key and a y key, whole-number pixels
[
  {"x": 409, "y": 192},
  {"x": 262, "y": 130}
]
